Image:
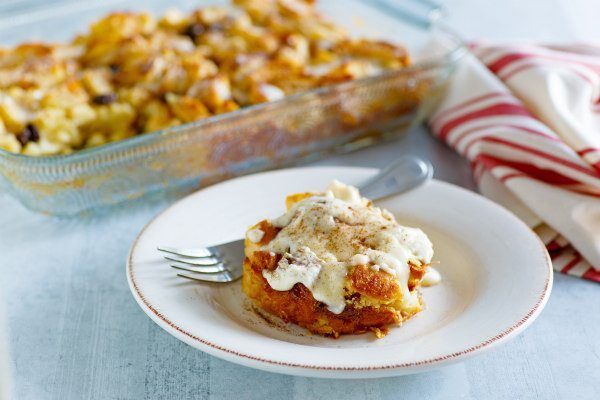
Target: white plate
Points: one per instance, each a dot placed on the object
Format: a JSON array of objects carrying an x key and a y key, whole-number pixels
[{"x": 496, "y": 274}]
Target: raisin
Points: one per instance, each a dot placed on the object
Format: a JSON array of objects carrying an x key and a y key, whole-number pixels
[
  {"x": 217, "y": 27},
  {"x": 194, "y": 30},
  {"x": 114, "y": 68},
  {"x": 105, "y": 98},
  {"x": 29, "y": 134}
]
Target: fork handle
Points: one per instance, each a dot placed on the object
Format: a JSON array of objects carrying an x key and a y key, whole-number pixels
[{"x": 402, "y": 175}]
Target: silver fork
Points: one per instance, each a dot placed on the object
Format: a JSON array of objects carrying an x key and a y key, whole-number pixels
[{"x": 223, "y": 262}]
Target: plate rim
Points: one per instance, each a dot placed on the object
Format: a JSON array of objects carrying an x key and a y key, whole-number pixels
[{"x": 272, "y": 364}]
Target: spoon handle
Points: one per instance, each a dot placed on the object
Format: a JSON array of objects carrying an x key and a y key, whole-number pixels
[{"x": 402, "y": 175}]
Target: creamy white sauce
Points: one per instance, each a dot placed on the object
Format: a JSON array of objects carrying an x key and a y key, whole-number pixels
[
  {"x": 255, "y": 235},
  {"x": 323, "y": 236},
  {"x": 432, "y": 277},
  {"x": 320, "y": 278},
  {"x": 346, "y": 193},
  {"x": 359, "y": 259}
]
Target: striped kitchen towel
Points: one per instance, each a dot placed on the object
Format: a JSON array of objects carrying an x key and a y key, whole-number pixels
[{"x": 528, "y": 119}]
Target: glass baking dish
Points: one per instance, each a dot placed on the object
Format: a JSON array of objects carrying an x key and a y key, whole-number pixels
[{"x": 300, "y": 127}]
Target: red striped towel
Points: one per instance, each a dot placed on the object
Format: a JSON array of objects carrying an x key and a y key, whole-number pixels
[{"x": 528, "y": 119}]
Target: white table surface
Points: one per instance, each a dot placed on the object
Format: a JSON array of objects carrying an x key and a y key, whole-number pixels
[{"x": 76, "y": 332}]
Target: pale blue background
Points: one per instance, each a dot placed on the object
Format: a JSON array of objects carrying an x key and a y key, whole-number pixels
[{"x": 76, "y": 332}]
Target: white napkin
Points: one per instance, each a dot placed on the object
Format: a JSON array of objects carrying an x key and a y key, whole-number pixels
[{"x": 528, "y": 119}]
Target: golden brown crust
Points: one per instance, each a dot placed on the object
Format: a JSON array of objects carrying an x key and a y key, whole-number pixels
[
  {"x": 373, "y": 297},
  {"x": 375, "y": 284},
  {"x": 299, "y": 306},
  {"x": 417, "y": 271},
  {"x": 263, "y": 260},
  {"x": 294, "y": 198},
  {"x": 132, "y": 73},
  {"x": 269, "y": 230}
]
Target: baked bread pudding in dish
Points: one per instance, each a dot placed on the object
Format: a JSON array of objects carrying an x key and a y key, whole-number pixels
[
  {"x": 336, "y": 264},
  {"x": 132, "y": 73}
]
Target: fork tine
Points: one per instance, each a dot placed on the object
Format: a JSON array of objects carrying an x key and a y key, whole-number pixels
[
  {"x": 212, "y": 269},
  {"x": 201, "y": 252},
  {"x": 194, "y": 261},
  {"x": 218, "y": 278}
]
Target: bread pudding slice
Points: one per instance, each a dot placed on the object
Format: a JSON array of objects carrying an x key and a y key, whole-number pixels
[{"x": 336, "y": 264}]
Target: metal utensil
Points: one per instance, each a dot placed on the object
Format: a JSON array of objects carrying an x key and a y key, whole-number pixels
[{"x": 222, "y": 263}]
